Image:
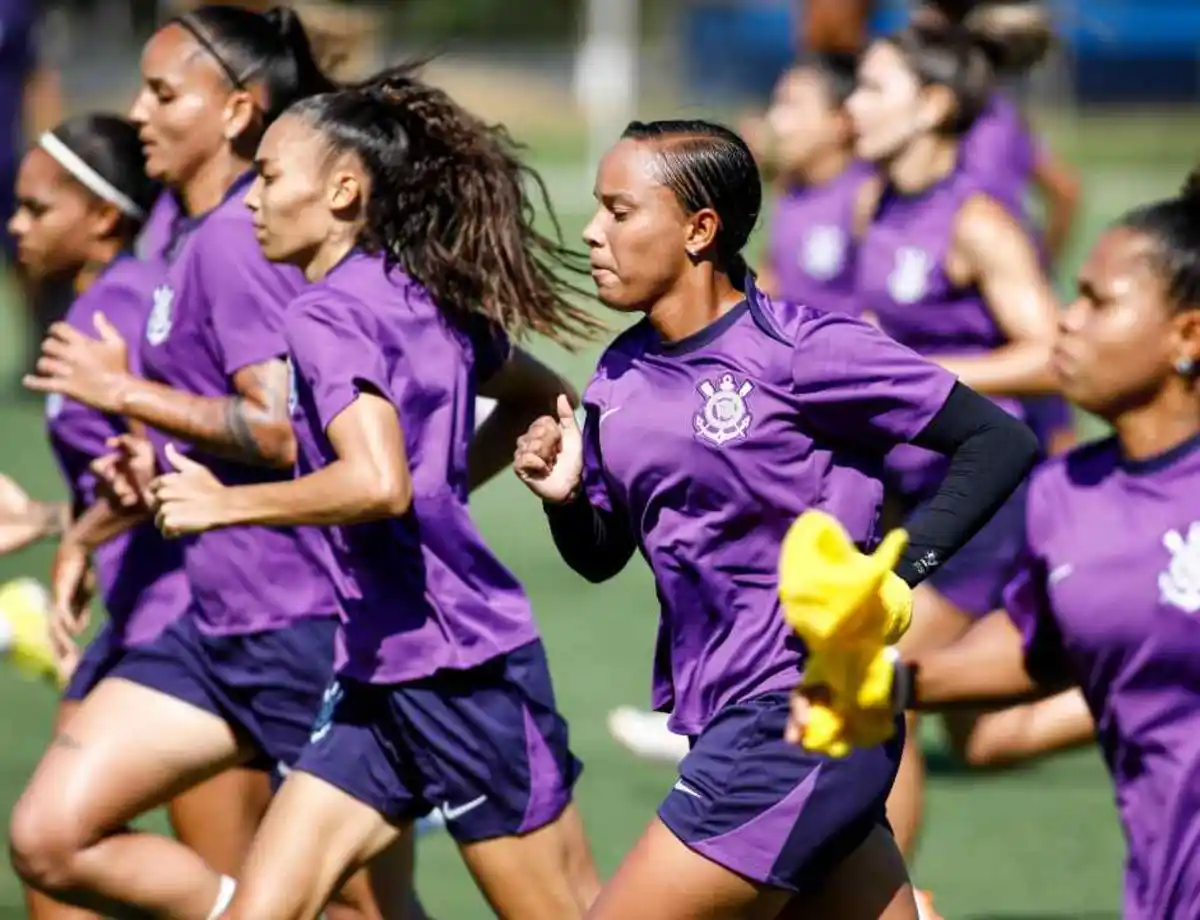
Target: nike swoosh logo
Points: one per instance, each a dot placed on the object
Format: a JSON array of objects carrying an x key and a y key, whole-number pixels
[
  {"x": 607, "y": 412},
  {"x": 686, "y": 789},
  {"x": 1058, "y": 574},
  {"x": 453, "y": 814}
]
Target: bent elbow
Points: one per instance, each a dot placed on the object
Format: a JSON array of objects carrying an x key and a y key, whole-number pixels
[{"x": 392, "y": 497}]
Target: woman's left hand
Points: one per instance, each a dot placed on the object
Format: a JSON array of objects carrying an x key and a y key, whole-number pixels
[{"x": 187, "y": 500}]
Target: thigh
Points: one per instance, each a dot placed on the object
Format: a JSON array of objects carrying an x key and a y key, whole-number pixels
[
  {"x": 529, "y": 876},
  {"x": 869, "y": 884},
  {"x": 219, "y": 817},
  {"x": 772, "y": 812},
  {"x": 662, "y": 878},
  {"x": 290, "y": 875},
  {"x": 127, "y": 749}
]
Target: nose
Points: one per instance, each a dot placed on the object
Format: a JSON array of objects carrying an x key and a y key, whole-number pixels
[
  {"x": 1072, "y": 316},
  {"x": 593, "y": 237}
]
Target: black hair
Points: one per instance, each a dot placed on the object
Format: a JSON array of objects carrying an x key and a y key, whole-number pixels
[
  {"x": 271, "y": 49},
  {"x": 448, "y": 203},
  {"x": 109, "y": 145},
  {"x": 839, "y": 70},
  {"x": 972, "y": 44},
  {"x": 1174, "y": 226},
  {"x": 706, "y": 165}
]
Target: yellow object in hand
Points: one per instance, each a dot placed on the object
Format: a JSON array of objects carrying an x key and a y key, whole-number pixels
[{"x": 848, "y": 608}]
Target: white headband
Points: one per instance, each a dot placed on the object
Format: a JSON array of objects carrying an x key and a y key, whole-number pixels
[{"x": 69, "y": 160}]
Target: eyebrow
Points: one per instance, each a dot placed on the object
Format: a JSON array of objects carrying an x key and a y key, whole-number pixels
[{"x": 613, "y": 197}]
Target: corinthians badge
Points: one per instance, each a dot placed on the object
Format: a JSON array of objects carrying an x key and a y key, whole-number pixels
[{"x": 724, "y": 416}]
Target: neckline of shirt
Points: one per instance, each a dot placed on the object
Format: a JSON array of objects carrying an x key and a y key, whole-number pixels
[
  {"x": 1159, "y": 462},
  {"x": 705, "y": 336}
]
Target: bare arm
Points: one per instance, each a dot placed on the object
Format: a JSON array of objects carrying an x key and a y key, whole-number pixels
[
  {"x": 1059, "y": 186},
  {"x": 251, "y": 426},
  {"x": 986, "y": 667},
  {"x": 101, "y": 523},
  {"x": 993, "y": 251},
  {"x": 524, "y": 390},
  {"x": 370, "y": 480}
]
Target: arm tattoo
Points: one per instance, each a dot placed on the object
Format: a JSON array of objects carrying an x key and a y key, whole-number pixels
[
  {"x": 269, "y": 389},
  {"x": 241, "y": 432}
]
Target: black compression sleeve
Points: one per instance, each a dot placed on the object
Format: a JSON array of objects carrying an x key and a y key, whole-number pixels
[
  {"x": 990, "y": 454},
  {"x": 595, "y": 543}
]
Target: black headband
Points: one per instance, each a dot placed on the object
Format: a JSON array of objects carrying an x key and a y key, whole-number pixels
[{"x": 206, "y": 43}]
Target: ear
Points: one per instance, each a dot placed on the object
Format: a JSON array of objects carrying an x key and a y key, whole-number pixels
[
  {"x": 105, "y": 217},
  {"x": 240, "y": 113},
  {"x": 700, "y": 234},
  {"x": 937, "y": 107},
  {"x": 346, "y": 192},
  {"x": 1185, "y": 336}
]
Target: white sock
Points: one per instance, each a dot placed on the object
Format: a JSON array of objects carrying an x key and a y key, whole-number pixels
[{"x": 224, "y": 897}]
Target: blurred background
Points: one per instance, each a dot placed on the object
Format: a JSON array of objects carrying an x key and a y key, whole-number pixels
[{"x": 1117, "y": 101}]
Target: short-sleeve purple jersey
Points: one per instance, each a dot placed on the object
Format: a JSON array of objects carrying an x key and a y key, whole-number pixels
[
  {"x": 1000, "y": 152},
  {"x": 1109, "y": 595},
  {"x": 140, "y": 574},
  {"x": 221, "y": 310},
  {"x": 709, "y": 448},
  {"x": 421, "y": 592},
  {"x": 902, "y": 279},
  {"x": 811, "y": 246}
]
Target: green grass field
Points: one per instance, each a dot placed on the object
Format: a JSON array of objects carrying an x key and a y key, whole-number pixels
[{"x": 1039, "y": 843}]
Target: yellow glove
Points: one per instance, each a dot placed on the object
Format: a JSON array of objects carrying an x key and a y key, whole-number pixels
[{"x": 848, "y": 608}]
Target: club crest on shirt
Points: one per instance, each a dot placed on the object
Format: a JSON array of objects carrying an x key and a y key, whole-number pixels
[
  {"x": 158, "y": 326},
  {"x": 54, "y": 405},
  {"x": 910, "y": 277},
  {"x": 1179, "y": 583},
  {"x": 824, "y": 252},
  {"x": 724, "y": 415}
]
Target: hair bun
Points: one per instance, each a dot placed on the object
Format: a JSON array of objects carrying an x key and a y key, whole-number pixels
[
  {"x": 1015, "y": 36},
  {"x": 1190, "y": 193}
]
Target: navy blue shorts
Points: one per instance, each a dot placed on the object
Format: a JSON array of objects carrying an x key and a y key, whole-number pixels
[
  {"x": 772, "y": 812},
  {"x": 267, "y": 685},
  {"x": 98, "y": 660},
  {"x": 486, "y": 747}
]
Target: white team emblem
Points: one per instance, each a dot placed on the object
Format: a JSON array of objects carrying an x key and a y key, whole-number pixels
[
  {"x": 293, "y": 395},
  {"x": 1180, "y": 583},
  {"x": 158, "y": 326},
  {"x": 824, "y": 251},
  {"x": 724, "y": 416},
  {"x": 54, "y": 405},
  {"x": 909, "y": 279}
]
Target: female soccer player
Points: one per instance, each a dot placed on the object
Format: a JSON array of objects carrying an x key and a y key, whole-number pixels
[
  {"x": 711, "y": 424},
  {"x": 82, "y": 196},
  {"x": 239, "y": 678},
  {"x": 408, "y": 216},
  {"x": 947, "y": 270},
  {"x": 1108, "y": 589}
]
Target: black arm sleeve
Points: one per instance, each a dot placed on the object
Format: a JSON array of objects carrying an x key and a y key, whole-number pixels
[
  {"x": 990, "y": 454},
  {"x": 595, "y": 543}
]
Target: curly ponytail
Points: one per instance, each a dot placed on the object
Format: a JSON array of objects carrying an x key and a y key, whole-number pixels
[{"x": 448, "y": 204}]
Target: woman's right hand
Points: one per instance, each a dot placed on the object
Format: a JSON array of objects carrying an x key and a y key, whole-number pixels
[{"x": 549, "y": 456}]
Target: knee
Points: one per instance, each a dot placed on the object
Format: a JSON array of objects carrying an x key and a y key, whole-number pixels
[{"x": 42, "y": 845}]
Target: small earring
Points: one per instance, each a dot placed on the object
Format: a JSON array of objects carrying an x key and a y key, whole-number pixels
[{"x": 1185, "y": 367}]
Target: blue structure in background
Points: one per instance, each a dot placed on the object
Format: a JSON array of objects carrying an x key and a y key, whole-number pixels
[{"x": 1124, "y": 50}]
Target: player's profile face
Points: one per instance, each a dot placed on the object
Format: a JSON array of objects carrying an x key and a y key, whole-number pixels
[
  {"x": 50, "y": 225},
  {"x": 886, "y": 105},
  {"x": 179, "y": 107},
  {"x": 1116, "y": 346},
  {"x": 803, "y": 120},
  {"x": 636, "y": 237},
  {"x": 289, "y": 196}
]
